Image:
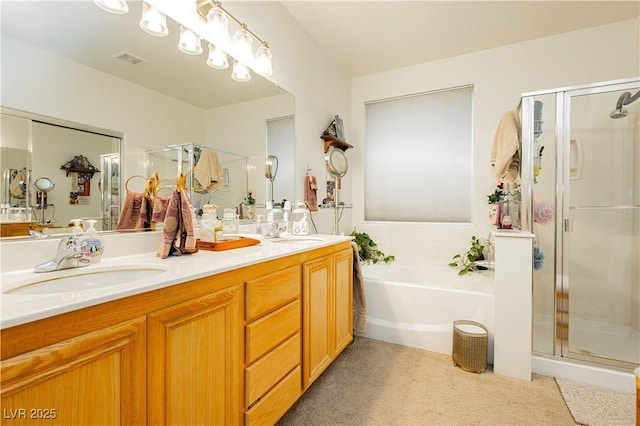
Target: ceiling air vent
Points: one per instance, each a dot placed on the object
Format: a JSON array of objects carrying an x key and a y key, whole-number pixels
[{"x": 129, "y": 57}]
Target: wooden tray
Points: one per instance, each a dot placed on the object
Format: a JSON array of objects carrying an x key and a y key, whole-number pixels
[{"x": 236, "y": 242}]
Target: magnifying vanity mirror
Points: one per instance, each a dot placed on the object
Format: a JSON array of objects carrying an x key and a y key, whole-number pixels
[
  {"x": 43, "y": 184},
  {"x": 337, "y": 165},
  {"x": 270, "y": 172}
]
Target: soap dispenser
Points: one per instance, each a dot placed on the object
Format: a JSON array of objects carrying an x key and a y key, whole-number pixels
[
  {"x": 92, "y": 244},
  {"x": 300, "y": 219}
]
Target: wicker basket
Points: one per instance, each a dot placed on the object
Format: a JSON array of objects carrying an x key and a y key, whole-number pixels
[{"x": 470, "y": 347}]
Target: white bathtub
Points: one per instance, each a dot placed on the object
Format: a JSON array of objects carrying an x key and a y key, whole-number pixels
[{"x": 416, "y": 305}]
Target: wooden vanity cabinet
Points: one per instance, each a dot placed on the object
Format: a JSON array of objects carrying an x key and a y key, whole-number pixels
[
  {"x": 99, "y": 377},
  {"x": 194, "y": 357},
  {"x": 14, "y": 229},
  {"x": 328, "y": 315},
  {"x": 273, "y": 345},
  {"x": 233, "y": 348},
  {"x": 169, "y": 356}
]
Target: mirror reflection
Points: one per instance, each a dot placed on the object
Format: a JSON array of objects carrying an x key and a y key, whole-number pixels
[{"x": 75, "y": 77}]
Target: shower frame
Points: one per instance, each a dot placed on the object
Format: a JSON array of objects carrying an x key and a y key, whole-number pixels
[{"x": 562, "y": 223}]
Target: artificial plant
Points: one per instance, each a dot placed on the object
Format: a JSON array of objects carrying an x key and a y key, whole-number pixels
[
  {"x": 466, "y": 262},
  {"x": 368, "y": 250}
]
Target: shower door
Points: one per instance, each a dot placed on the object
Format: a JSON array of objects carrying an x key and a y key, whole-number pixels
[
  {"x": 599, "y": 197},
  {"x": 110, "y": 190}
]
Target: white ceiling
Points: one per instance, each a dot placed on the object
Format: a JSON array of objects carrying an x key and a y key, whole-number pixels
[
  {"x": 369, "y": 36},
  {"x": 362, "y": 37}
]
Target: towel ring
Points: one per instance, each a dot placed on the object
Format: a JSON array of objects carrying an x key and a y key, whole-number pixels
[
  {"x": 165, "y": 187},
  {"x": 160, "y": 188},
  {"x": 199, "y": 188},
  {"x": 126, "y": 185},
  {"x": 151, "y": 187}
]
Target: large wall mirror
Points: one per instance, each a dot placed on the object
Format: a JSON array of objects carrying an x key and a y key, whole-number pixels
[
  {"x": 71, "y": 62},
  {"x": 58, "y": 170}
]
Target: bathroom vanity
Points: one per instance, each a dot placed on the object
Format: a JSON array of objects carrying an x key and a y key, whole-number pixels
[{"x": 217, "y": 338}]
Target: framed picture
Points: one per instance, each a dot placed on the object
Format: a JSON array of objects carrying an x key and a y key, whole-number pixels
[{"x": 339, "y": 128}]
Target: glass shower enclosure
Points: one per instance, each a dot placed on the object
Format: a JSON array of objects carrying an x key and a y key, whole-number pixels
[
  {"x": 582, "y": 151},
  {"x": 110, "y": 190}
]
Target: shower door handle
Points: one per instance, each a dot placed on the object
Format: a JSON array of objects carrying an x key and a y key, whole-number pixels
[{"x": 568, "y": 225}]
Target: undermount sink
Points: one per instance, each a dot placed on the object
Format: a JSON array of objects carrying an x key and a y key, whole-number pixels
[
  {"x": 295, "y": 239},
  {"x": 86, "y": 278}
]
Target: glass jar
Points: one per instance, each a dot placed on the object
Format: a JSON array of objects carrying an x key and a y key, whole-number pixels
[
  {"x": 207, "y": 225},
  {"x": 229, "y": 222}
]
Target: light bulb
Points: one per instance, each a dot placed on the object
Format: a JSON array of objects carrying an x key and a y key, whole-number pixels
[
  {"x": 242, "y": 49},
  {"x": 218, "y": 27},
  {"x": 153, "y": 21},
  {"x": 114, "y": 6},
  {"x": 217, "y": 58},
  {"x": 263, "y": 60},
  {"x": 189, "y": 42},
  {"x": 240, "y": 72}
]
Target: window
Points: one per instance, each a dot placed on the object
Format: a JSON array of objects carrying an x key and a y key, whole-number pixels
[
  {"x": 418, "y": 157},
  {"x": 280, "y": 142}
]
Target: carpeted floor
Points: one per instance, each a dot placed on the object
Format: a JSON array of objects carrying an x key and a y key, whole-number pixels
[
  {"x": 597, "y": 406},
  {"x": 378, "y": 383}
]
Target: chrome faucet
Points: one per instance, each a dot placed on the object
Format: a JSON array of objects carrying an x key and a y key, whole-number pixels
[
  {"x": 69, "y": 255},
  {"x": 276, "y": 228},
  {"x": 278, "y": 225}
]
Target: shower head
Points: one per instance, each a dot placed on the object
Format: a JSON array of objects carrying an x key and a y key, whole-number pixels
[
  {"x": 618, "y": 113},
  {"x": 624, "y": 99}
]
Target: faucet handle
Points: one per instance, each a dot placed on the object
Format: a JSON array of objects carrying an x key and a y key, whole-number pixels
[{"x": 69, "y": 243}]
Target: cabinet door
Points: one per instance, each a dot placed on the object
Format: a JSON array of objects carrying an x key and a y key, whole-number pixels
[
  {"x": 328, "y": 312},
  {"x": 194, "y": 361},
  {"x": 343, "y": 304},
  {"x": 319, "y": 335},
  {"x": 98, "y": 378}
]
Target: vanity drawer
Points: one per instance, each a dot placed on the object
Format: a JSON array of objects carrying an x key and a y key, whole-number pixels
[
  {"x": 276, "y": 403},
  {"x": 270, "y": 369},
  {"x": 271, "y": 330},
  {"x": 270, "y": 291}
]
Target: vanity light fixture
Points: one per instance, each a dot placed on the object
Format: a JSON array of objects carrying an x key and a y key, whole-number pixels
[
  {"x": 189, "y": 42},
  {"x": 114, "y": 6},
  {"x": 217, "y": 58},
  {"x": 240, "y": 72},
  {"x": 218, "y": 27},
  {"x": 242, "y": 45},
  {"x": 263, "y": 61},
  {"x": 153, "y": 21},
  {"x": 204, "y": 20}
]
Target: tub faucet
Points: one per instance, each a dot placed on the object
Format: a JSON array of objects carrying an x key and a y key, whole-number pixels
[
  {"x": 69, "y": 255},
  {"x": 489, "y": 248}
]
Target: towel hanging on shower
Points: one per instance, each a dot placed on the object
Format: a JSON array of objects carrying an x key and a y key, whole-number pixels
[
  {"x": 507, "y": 142},
  {"x": 208, "y": 171}
]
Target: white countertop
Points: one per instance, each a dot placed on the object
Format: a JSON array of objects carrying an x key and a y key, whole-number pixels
[{"x": 19, "y": 258}]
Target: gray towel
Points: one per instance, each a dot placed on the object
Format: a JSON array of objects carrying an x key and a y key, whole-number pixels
[{"x": 359, "y": 295}]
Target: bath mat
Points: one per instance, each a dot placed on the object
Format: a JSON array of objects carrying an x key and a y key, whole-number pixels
[{"x": 598, "y": 406}]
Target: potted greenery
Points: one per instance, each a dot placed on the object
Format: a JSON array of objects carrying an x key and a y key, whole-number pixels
[
  {"x": 466, "y": 262},
  {"x": 368, "y": 250}
]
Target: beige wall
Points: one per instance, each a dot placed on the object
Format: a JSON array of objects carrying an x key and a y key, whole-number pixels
[{"x": 499, "y": 77}]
